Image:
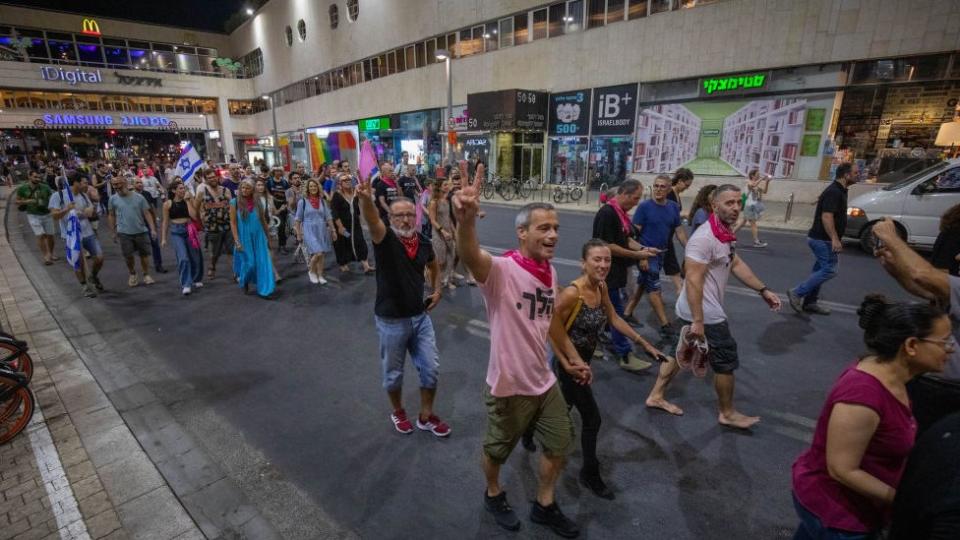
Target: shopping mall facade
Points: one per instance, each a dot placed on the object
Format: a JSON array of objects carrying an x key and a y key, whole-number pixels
[{"x": 567, "y": 90}]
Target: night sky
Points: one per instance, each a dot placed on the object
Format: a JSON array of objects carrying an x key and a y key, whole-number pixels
[{"x": 177, "y": 13}]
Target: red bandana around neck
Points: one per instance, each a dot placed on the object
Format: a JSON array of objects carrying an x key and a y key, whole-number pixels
[
  {"x": 250, "y": 204},
  {"x": 540, "y": 270},
  {"x": 721, "y": 231},
  {"x": 410, "y": 245},
  {"x": 314, "y": 202},
  {"x": 389, "y": 181},
  {"x": 622, "y": 214}
]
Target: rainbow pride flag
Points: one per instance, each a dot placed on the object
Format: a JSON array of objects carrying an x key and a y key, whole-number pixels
[{"x": 319, "y": 152}]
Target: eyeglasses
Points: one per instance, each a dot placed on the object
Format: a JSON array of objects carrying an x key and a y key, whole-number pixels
[
  {"x": 405, "y": 215},
  {"x": 949, "y": 345}
]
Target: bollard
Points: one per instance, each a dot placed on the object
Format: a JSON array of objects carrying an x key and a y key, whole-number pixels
[{"x": 786, "y": 216}]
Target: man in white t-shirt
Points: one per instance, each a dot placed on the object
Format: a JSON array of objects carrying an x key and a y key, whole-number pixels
[
  {"x": 710, "y": 258},
  {"x": 60, "y": 207},
  {"x": 519, "y": 290}
]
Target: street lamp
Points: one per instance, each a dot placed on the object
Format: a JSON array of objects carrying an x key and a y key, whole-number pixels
[
  {"x": 276, "y": 140},
  {"x": 444, "y": 54}
]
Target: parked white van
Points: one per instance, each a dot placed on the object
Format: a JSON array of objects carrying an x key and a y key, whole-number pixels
[{"x": 915, "y": 204}]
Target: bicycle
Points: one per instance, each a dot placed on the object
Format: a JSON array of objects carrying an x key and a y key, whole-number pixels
[
  {"x": 571, "y": 192},
  {"x": 14, "y": 353}
]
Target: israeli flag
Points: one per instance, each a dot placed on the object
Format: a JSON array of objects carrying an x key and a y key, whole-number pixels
[
  {"x": 72, "y": 243},
  {"x": 188, "y": 164}
]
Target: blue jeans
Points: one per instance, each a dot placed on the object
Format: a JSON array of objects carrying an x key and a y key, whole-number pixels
[
  {"x": 189, "y": 258},
  {"x": 824, "y": 269},
  {"x": 621, "y": 345},
  {"x": 400, "y": 336},
  {"x": 811, "y": 528},
  {"x": 157, "y": 256}
]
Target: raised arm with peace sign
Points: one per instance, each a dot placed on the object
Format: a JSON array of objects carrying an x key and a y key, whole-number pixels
[{"x": 466, "y": 208}]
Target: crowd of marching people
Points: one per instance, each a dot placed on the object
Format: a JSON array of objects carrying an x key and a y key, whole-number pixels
[{"x": 881, "y": 458}]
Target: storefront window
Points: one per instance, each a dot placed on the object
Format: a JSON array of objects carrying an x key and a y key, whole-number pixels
[
  {"x": 609, "y": 160},
  {"x": 116, "y": 57},
  {"x": 61, "y": 48},
  {"x": 540, "y": 24},
  {"x": 506, "y": 33},
  {"x": 90, "y": 54},
  {"x": 598, "y": 13},
  {"x": 659, "y": 6},
  {"x": 637, "y": 9},
  {"x": 520, "y": 34},
  {"x": 615, "y": 11},
  {"x": 568, "y": 160},
  {"x": 916, "y": 68}
]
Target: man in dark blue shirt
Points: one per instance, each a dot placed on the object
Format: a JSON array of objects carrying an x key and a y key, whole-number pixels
[
  {"x": 655, "y": 220},
  {"x": 829, "y": 222}
]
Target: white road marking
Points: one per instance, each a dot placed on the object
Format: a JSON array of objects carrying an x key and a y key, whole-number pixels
[
  {"x": 741, "y": 291},
  {"x": 70, "y": 523}
]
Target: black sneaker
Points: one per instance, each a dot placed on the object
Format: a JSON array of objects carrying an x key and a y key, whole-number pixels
[
  {"x": 96, "y": 283},
  {"x": 596, "y": 484},
  {"x": 552, "y": 517},
  {"x": 667, "y": 333},
  {"x": 632, "y": 321},
  {"x": 502, "y": 511}
]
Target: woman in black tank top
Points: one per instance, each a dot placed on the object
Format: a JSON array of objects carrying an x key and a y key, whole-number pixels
[
  {"x": 585, "y": 309},
  {"x": 179, "y": 218}
]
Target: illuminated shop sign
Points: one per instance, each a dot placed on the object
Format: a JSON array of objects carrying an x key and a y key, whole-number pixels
[
  {"x": 725, "y": 85},
  {"x": 90, "y": 27},
  {"x": 374, "y": 124},
  {"x": 570, "y": 113},
  {"x": 94, "y": 120},
  {"x": 71, "y": 76}
]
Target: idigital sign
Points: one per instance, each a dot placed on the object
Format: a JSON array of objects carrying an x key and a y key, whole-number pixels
[{"x": 71, "y": 76}]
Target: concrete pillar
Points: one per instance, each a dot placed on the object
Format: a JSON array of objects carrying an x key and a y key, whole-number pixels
[{"x": 226, "y": 129}]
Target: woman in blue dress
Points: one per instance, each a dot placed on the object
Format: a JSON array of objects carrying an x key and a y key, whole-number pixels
[
  {"x": 314, "y": 226},
  {"x": 251, "y": 254}
]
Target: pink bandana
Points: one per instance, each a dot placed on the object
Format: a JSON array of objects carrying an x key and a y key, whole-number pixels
[
  {"x": 540, "y": 270},
  {"x": 622, "y": 214},
  {"x": 721, "y": 231}
]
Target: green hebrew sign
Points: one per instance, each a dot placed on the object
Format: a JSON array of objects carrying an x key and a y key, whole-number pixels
[{"x": 730, "y": 84}]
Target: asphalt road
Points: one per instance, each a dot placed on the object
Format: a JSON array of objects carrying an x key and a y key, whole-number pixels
[{"x": 285, "y": 396}]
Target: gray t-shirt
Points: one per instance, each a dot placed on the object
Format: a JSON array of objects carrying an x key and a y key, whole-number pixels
[
  {"x": 703, "y": 247},
  {"x": 80, "y": 202},
  {"x": 129, "y": 212}
]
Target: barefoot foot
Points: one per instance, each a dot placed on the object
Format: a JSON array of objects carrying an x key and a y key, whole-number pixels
[
  {"x": 665, "y": 405},
  {"x": 737, "y": 420}
]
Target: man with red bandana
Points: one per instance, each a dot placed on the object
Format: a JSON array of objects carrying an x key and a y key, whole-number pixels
[
  {"x": 401, "y": 311},
  {"x": 520, "y": 289}
]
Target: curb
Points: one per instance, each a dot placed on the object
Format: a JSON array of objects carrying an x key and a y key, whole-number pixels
[{"x": 195, "y": 491}]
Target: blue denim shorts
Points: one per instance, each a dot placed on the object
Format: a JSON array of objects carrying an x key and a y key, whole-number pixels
[
  {"x": 649, "y": 280},
  {"x": 92, "y": 245},
  {"x": 412, "y": 335}
]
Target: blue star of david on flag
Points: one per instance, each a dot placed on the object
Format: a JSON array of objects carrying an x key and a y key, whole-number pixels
[
  {"x": 72, "y": 243},
  {"x": 187, "y": 164}
]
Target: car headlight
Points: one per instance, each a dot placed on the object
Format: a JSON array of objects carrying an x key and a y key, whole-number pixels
[{"x": 853, "y": 211}]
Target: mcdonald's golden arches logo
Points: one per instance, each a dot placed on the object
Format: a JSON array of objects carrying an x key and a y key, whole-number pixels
[{"x": 90, "y": 27}]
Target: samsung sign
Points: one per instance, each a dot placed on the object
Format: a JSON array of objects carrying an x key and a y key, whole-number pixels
[
  {"x": 93, "y": 120},
  {"x": 71, "y": 76}
]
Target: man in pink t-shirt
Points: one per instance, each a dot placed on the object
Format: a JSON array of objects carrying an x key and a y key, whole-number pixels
[{"x": 519, "y": 290}]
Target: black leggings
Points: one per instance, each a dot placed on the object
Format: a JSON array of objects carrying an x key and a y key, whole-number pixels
[
  {"x": 581, "y": 397},
  {"x": 282, "y": 229}
]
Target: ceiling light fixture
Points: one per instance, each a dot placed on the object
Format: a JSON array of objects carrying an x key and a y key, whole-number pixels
[{"x": 249, "y": 11}]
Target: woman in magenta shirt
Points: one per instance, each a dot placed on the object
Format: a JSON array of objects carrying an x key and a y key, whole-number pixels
[{"x": 844, "y": 484}]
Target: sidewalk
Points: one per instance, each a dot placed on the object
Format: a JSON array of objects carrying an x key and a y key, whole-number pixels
[
  {"x": 77, "y": 471},
  {"x": 773, "y": 218}
]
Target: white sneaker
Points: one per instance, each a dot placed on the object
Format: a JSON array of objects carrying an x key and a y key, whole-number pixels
[
  {"x": 186, "y": 291},
  {"x": 321, "y": 281},
  {"x": 313, "y": 277},
  {"x": 198, "y": 285}
]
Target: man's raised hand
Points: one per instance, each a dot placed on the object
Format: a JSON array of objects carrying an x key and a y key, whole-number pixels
[{"x": 466, "y": 201}]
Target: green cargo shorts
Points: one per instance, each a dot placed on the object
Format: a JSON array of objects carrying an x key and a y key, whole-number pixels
[{"x": 509, "y": 417}]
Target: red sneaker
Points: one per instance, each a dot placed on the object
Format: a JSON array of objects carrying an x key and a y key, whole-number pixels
[
  {"x": 434, "y": 425},
  {"x": 400, "y": 421}
]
